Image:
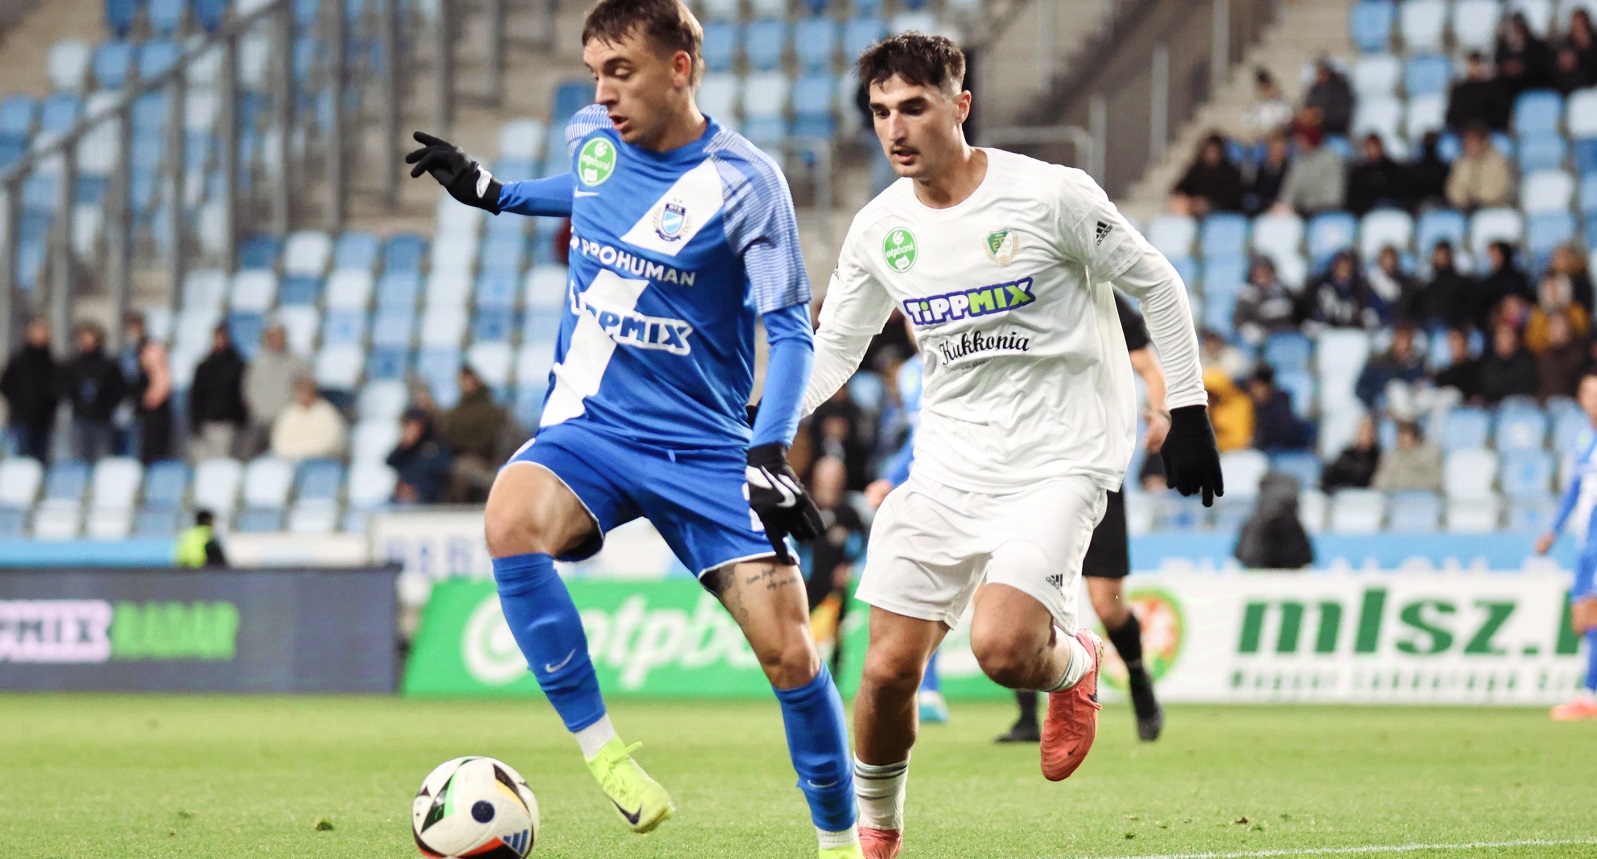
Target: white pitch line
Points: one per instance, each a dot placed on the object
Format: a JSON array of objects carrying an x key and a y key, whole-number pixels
[{"x": 1351, "y": 851}]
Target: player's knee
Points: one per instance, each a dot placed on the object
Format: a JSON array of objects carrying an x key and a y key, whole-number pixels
[
  {"x": 790, "y": 663},
  {"x": 1006, "y": 659},
  {"x": 886, "y": 675}
]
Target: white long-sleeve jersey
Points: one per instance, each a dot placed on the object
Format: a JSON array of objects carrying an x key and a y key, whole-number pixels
[{"x": 1027, "y": 375}]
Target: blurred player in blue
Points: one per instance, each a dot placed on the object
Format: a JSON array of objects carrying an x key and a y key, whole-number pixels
[
  {"x": 1580, "y": 507},
  {"x": 683, "y": 237}
]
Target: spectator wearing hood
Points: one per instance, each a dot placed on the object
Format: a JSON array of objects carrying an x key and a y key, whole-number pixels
[
  {"x": 1480, "y": 98},
  {"x": 1341, "y": 297},
  {"x": 1450, "y": 297},
  {"x": 1463, "y": 372},
  {"x": 1264, "y": 305},
  {"x": 1276, "y": 426},
  {"x": 1503, "y": 279},
  {"x": 92, "y": 382},
  {"x": 1425, "y": 182},
  {"x": 1274, "y": 538},
  {"x": 1355, "y": 466},
  {"x": 420, "y": 460},
  {"x": 1375, "y": 181},
  {"x": 1331, "y": 97},
  {"x": 32, "y": 393},
  {"x": 216, "y": 399},
  {"x": 1211, "y": 184}
]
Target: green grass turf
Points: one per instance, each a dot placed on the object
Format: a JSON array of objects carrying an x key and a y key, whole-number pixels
[{"x": 156, "y": 776}]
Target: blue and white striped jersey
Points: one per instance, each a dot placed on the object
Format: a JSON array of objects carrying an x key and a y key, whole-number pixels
[{"x": 674, "y": 255}]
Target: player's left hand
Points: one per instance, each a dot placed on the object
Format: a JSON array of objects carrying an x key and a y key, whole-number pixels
[
  {"x": 1191, "y": 458},
  {"x": 1158, "y": 422},
  {"x": 780, "y": 500},
  {"x": 464, "y": 179}
]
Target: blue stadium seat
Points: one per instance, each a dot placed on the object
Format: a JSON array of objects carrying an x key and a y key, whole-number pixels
[
  {"x": 1302, "y": 465},
  {"x": 17, "y": 113},
  {"x": 209, "y": 13},
  {"x": 1545, "y": 231},
  {"x": 344, "y": 326},
  {"x": 259, "y": 251},
  {"x": 862, "y": 32},
  {"x": 1427, "y": 74},
  {"x": 815, "y": 43},
  {"x": 1370, "y": 24},
  {"x": 155, "y": 522},
  {"x": 1520, "y": 429},
  {"x": 119, "y": 15},
  {"x": 1414, "y": 512},
  {"x": 496, "y": 290},
  {"x": 504, "y": 254},
  {"x": 1437, "y": 225},
  {"x": 59, "y": 113},
  {"x": 720, "y": 45},
  {"x": 246, "y": 330},
  {"x": 1585, "y": 152},
  {"x": 165, "y": 16},
  {"x": 1527, "y": 474},
  {"x": 394, "y": 326},
  {"x": 404, "y": 252},
  {"x": 1542, "y": 150},
  {"x": 1588, "y": 194},
  {"x": 1224, "y": 275},
  {"x": 258, "y": 520},
  {"x": 1329, "y": 234},
  {"x": 1217, "y": 310},
  {"x": 357, "y": 250},
  {"x": 1466, "y": 428},
  {"x": 66, "y": 480},
  {"x": 1300, "y": 388},
  {"x": 540, "y": 324},
  {"x": 1224, "y": 234},
  {"x": 11, "y": 151},
  {"x": 493, "y": 325},
  {"x": 165, "y": 484},
  {"x": 156, "y": 56},
  {"x": 765, "y": 43},
  {"x": 1538, "y": 112},
  {"x": 1288, "y": 352},
  {"x": 812, "y": 105},
  {"x": 387, "y": 362},
  {"x": 319, "y": 480},
  {"x": 299, "y": 290}
]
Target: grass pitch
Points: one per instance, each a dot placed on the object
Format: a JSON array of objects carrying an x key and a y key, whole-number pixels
[{"x": 177, "y": 777}]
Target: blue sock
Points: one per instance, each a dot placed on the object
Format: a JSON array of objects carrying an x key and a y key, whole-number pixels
[
  {"x": 548, "y": 630},
  {"x": 931, "y": 682},
  {"x": 813, "y": 716},
  {"x": 1591, "y": 661}
]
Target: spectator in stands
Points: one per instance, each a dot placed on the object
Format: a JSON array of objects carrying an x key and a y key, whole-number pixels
[
  {"x": 92, "y": 382},
  {"x": 1480, "y": 98},
  {"x": 216, "y": 400},
  {"x": 1263, "y": 187},
  {"x": 1271, "y": 111},
  {"x": 421, "y": 461},
  {"x": 474, "y": 432},
  {"x": 32, "y": 393},
  {"x": 1331, "y": 97},
  {"x": 1216, "y": 353},
  {"x": 1555, "y": 302},
  {"x": 1562, "y": 362},
  {"x": 1581, "y": 39},
  {"x": 1524, "y": 61},
  {"x": 1274, "y": 538},
  {"x": 309, "y": 428},
  {"x": 1568, "y": 75},
  {"x": 1275, "y": 425},
  {"x": 1340, "y": 298},
  {"x": 134, "y": 335},
  {"x": 1503, "y": 280},
  {"x": 1393, "y": 292},
  {"x": 1425, "y": 183},
  {"x": 1211, "y": 184},
  {"x": 269, "y": 387},
  {"x": 1481, "y": 177},
  {"x": 1508, "y": 369},
  {"x": 839, "y": 547},
  {"x": 1230, "y": 410},
  {"x": 1355, "y": 466},
  {"x": 152, "y": 403},
  {"x": 1316, "y": 181},
  {"x": 1375, "y": 181},
  {"x": 1414, "y": 465},
  {"x": 1264, "y": 305},
  {"x": 1400, "y": 366},
  {"x": 1463, "y": 372},
  {"x": 1569, "y": 262},
  {"x": 838, "y": 429},
  {"x": 1450, "y": 296}
]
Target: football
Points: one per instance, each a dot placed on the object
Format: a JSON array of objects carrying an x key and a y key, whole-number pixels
[{"x": 476, "y": 807}]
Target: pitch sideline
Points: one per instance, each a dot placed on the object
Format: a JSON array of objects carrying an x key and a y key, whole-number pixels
[{"x": 1355, "y": 851}]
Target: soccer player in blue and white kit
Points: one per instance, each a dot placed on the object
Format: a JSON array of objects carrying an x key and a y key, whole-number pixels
[
  {"x": 1580, "y": 507},
  {"x": 683, "y": 233}
]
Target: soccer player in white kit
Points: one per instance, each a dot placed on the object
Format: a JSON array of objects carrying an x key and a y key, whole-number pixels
[{"x": 1003, "y": 264}]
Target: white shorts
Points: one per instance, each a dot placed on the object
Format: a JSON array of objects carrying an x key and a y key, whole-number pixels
[{"x": 931, "y": 545}]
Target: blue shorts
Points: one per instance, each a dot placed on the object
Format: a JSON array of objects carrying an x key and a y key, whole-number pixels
[{"x": 696, "y": 499}]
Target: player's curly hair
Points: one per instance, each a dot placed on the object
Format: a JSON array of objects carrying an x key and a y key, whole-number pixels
[
  {"x": 667, "y": 23},
  {"x": 918, "y": 58}
]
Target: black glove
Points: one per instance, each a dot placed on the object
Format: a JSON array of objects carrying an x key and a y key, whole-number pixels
[
  {"x": 779, "y": 499},
  {"x": 1191, "y": 460},
  {"x": 464, "y": 179}
]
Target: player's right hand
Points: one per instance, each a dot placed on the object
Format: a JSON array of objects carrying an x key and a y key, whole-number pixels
[
  {"x": 1544, "y": 543},
  {"x": 464, "y": 179},
  {"x": 780, "y": 500},
  {"x": 1191, "y": 458},
  {"x": 876, "y": 492}
]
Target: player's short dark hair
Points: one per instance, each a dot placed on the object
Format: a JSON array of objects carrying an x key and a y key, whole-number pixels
[
  {"x": 919, "y": 59},
  {"x": 669, "y": 24}
]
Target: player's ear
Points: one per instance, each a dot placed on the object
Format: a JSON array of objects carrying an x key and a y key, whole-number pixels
[
  {"x": 682, "y": 69},
  {"x": 962, "y": 106}
]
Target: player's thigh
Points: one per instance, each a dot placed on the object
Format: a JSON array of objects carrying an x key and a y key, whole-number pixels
[
  {"x": 924, "y": 558},
  {"x": 699, "y": 503},
  {"x": 549, "y": 498},
  {"x": 1041, "y": 538},
  {"x": 1108, "y": 597},
  {"x": 769, "y": 603},
  {"x": 895, "y": 658}
]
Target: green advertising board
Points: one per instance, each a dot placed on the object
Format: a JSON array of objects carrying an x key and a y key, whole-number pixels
[{"x": 660, "y": 639}]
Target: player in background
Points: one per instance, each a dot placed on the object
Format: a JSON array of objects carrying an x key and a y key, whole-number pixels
[
  {"x": 683, "y": 237},
  {"x": 1580, "y": 507},
  {"x": 1108, "y": 558},
  {"x": 1003, "y": 264}
]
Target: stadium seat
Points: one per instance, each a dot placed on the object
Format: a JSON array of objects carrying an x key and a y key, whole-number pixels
[
  {"x": 358, "y": 251},
  {"x": 1302, "y": 466},
  {"x": 1542, "y": 150},
  {"x": 1383, "y": 228},
  {"x": 307, "y": 253},
  {"x": 320, "y": 480},
  {"x": 155, "y": 522},
  {"x": 1582, "y": 114},
  {"x": 56, "y": 519},
  {"x": 252, "y": 291},
  {"x": 405, "y": 252},
  {"x": 1330, "y": 234},
  {"x": 399, "y": 289},
  {"x": 1173, "y": 235},
  {"x": 372, "y": 441},
  {"x": 165, "y": 16},
  {"x": 1288, "y": 352},
  {"x": 812, "y": 106},
  {"x": 155, "y": 56},
  {"x": 1469, "y": 473},
  {"x": 68, "y": 65},
  {"x": 1437, "y": 225},
  {"x": 259, "y": 251},
  {"x": 1357, "y": 511},
  {"x": 1382, "y": 116},
  {"x": 267, "y": 481},
  {"x": 384, "y": 400},
  {"x": 1473, "y": 515},
  {"x": 764, "y": 43},
  {"x": 1527, "y": 474},
  {"x": 209, "y": 13},
  {"x": 718, "y": 95},
  {"x": 522, "y": 138},
  {"x": 1370, "y": 24},
  {"x": 860, "y": 33},
  {"x": 338, "y": 367},
  {"x": 17, "y": 116},
  {"x": 1538, "y": 112},
  {"x": 1465, "y": 428},
  {"x": 313, "y": 517},
  {"x": 492, "y": 361},
  {"x": 1568, "y": 428},
  {"x": 1376, "y": 75},
  {"x": 815, "y": 43},
  {"x": 1427, "y": 112},
  {"x": 20, "y": 478},
  {"x": 1277, "y": 236},
  {"x": 448, "y": 290},
  {"x": 371, "y": 483},
  {"x": 216, "y": 483},
  {"x": 259, "y": 520},
  {"x": 115, "y": 482},
  {"x": 1243, "y": 469},
  {"x": 1475, "y": 24},
  {"x": 1224, "y": 234},
  {"x": 1547, "y": 191},
  {"x": 108, "y": 523},
  {"x": 720, "y": 45},
  {"x": 111, "y": 62},
  {"x": 1414, "y": 512},
  {"x": 349, "y": 289},
  {"x": 66, "y": 480},
  {"x": 165, "y": 484},
  {"x": 1520, "y": 429},
  {"x": 1489, "y": 225},
  {"x": 1427, "y": 74}
]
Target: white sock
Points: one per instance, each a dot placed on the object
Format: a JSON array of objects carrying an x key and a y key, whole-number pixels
[
  {"x": 1078, "y": 666},
  {"x": 592, "y": 738},
  {"x": 880, "y": 793},
  {"x": 830, "y": 840}
]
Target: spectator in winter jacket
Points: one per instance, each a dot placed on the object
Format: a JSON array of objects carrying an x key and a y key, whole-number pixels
[
  {"x": 473, "y": 431},
  {"x": 1524, "y": 60},
  {"x": 1555, "y": 301},
  {"x": 1580, "y": 39},
  {"x": 152, "y": 403},
  {"x": 31, "y": 390},
  {"x": 1375, "y": 181},
  {"x": 1480, "y": 98},
  {"x": 1425, "y": 183},
  {"x": 1355, "y": 466},
  {"x": 1416, "y": 464},
  {"x": 310, "y": 428},
  {"x": 92, "y": 382},
  {"x": 1562, "y": 362},
  {"x": 1481, "y": 177},
  {"x": 1211, "y": 184},
  {"x": 1317, "y": 181},
  {"x": 1507, "y": 370},
  {"x": 1275, "y": 425},
  {"x": 1393, "y": 293},
  {"x": 1264, "y": 181},
  {"x": 1503, "y": 279},
  {"x": 1264, "y": 306},
  {"x": 1331, "y": 96},
  {"x": 1569, "y": 262},
  {"x": 1450, "y": 298},
  {"x": 1230, "y": 410},
  {"x": 1401, "y": 364},
  {"x": 1273, "y": 538},
  {"x": 269, "y": 387},
  {"x": 1340, "y": 298},
  {"x": 421, "y": 461},
  {"x": 1463, "y": 372},
  {"x": 216, "y": 399}
]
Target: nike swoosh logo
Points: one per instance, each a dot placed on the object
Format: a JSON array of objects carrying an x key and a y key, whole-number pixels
[
  {"x": 563, "y": 663},
  {"x": 585, "y": 194},
  {"x": 631, "y": 816}
]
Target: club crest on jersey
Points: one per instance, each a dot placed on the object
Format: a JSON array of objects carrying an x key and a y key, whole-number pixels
[
  {"x": 981, "y": 301},
  {"x": 670, "y": 221},
  {"x": 1002, "y": 246},
  {"x": 900, "y": 250},
  {"x": 596, "y": 162}
]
